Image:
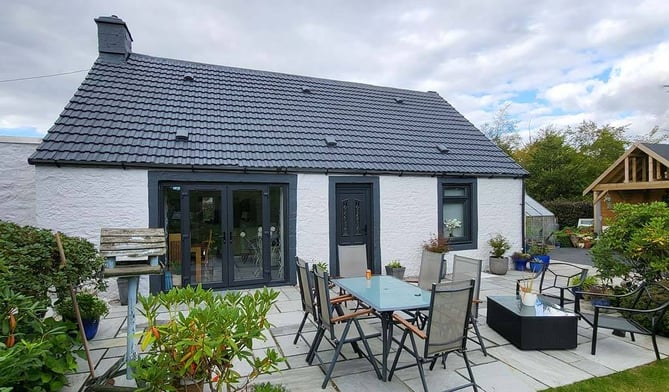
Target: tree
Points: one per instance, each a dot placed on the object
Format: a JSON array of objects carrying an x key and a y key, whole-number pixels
[
  {"x": 502, "y": 131},
  {"x": 554, "y": 166},
  {"x": 599, "y": 147}
]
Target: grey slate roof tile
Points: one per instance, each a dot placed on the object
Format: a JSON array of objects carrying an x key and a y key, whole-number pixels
[{"x": 130, "y": 112}]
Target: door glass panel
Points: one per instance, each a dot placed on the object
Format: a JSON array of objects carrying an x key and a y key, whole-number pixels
[
  {"x": 172, "y": 219},
  {"x": 276, "y": 229},
  {"x": 247, "y": 245},
  {"x": 205, "y": 233}
]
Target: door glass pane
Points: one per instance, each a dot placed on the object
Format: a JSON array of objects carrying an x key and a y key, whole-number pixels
[
  {"x": 247, "y": 229},
  {"x": 276, "y": 229},
  {"x": 205, "y": 229},
  {"x": 172, "y": 219}
]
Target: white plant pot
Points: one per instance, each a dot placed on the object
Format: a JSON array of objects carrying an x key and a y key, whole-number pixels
[{"x": 528, "y": 299}]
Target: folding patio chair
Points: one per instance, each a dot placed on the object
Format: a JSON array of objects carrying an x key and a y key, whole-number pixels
[
  {"x": 338, "y": 329},
  {"x": 446, "y": 330},
  {"x": 465, "y": 268}
]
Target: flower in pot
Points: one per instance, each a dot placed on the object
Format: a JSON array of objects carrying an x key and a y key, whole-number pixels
[
  {"x": 520, "y": 260},
  {"x": 498, "y": 263},
  {"x": 91, "y": 309},
  {"x": 395, "y": 268},
  {"x": 436, "y": 244},
  {"x": 205, "y": 339},
  {"x": 451, "y": 224}
]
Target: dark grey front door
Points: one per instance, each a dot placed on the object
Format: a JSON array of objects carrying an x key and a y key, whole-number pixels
[{"x": 354, "y": 216}]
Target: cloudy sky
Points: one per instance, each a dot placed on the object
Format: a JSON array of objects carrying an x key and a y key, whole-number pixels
[{"x": 555, "y": 62}]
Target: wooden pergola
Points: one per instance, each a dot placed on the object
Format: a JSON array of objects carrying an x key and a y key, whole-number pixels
[{"x": 640, "y": 175}]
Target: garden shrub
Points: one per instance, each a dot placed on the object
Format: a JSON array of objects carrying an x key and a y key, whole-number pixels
[
  {"x": 568, "y": 212},
  {"x": 656, "y": 297},
  {"x": 636, "y": 244},
  {"x": 32, "y": 261}
]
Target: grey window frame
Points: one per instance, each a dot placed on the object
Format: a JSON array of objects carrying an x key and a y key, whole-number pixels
[{"x": 469, "y": 241}]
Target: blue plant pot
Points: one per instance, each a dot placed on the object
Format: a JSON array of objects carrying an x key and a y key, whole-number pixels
[
  {"x": 90, "y": 328},
  {"x": 601, "y": 301},
  {"x": 519, "y": 265}
]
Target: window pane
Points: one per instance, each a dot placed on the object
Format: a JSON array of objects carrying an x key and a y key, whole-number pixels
[
  {"x": 454, "y": 210},
  {"x": 454, "y": 192}
]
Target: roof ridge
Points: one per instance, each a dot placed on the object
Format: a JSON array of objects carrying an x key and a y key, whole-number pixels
[{"x": 276, "y": 73}]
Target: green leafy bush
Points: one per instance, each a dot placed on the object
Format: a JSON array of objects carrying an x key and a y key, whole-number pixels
[
  {"x": 90, "y": 307},
  {"x": 568, "y": 212},
  {"x": 32, "y": 261},
  {"x": 35, "y": 353},
  {"x": 268, "y": 387},
  {"x": 207, "y": 340},
  {"x": 636, "y": 243}
]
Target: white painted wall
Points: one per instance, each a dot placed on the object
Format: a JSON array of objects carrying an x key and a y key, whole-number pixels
[
  {"x": 409, "y": 213},
  {"x": 80, "y": 201},
  {"x": 17, "y": 180},
  {"x": 313, "y": 241},
  {"x": 408, "y": 217}
]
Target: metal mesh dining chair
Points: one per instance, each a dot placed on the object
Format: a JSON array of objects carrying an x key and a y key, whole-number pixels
[
  {"x": 431, "y": 269},
  {"x": 445, "y": 333},
  {"x": 352, "y": 260},
  {"x": 560, "y": 281},
  {"x": 307, "y": 295},
  {"x": 465, "y": 268},
  {"x": 338, "y": 328}
]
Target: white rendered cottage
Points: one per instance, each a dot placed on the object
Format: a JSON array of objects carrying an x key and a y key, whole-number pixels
[{"x": 247, "y": 169}]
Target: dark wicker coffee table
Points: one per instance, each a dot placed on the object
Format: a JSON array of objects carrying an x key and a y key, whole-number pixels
[{"x": 544, "y": 326}]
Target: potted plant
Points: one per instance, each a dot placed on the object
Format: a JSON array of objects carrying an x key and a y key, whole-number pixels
[
  {"x": 91, "y": 309},
  {"x": 208, "y": 342},
  {"x": 499, "y": 264},
  {"x": 395, "y": 268},
  {"x": 434, "y": 249},
  {"x": 451, "y": 224},
  {"x": 520, "y": 260},
  {"x": 540, "y": 257}
]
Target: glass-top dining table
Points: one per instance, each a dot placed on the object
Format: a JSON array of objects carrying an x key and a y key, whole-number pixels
[{"x": 386, "y": 294}]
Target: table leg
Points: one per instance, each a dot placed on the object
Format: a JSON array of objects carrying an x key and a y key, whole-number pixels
[{"x": 387, "y": 337}]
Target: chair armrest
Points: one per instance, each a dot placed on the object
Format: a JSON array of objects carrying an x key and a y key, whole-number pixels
[
  {"x": 631, "y": 310},
  {"x": 342, "y": 298},
  {"x": 412, "y": 327},
  {"x": 362, "y": 312}
]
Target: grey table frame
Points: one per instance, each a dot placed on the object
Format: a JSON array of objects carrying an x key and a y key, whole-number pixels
[{"x": 386, "y": 294}]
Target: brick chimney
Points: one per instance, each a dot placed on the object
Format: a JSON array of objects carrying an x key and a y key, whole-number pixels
[{"x": 114, "y": 39}]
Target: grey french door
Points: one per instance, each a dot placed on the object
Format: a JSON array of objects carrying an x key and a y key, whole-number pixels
[{"x": 228, "y": 234}]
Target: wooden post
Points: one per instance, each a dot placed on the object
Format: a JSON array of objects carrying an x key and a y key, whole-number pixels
[
  {"x": 627, "y": 169},
  {"x": 651, "y": 169},
  {"x": 75, "y": 304}
]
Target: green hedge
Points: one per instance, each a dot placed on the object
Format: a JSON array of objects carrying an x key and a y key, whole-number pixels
[
  {"x": 569, "y": 212},
  {"x": 32, "y": 261}
]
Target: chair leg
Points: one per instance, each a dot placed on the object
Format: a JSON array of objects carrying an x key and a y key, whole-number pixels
[
  {"x": 478, "y": 335},
  {"x": 314, "y": 345},
  {"x": 397, "y": 355},
  {"x": 370, "y": 355},
  {"x": 594, "y": 340},
  {"x": 632, "y": 335},
  {"x": 419, "y": 363},
  {"x": 469, "y": 370},
  {"x": 299, "y": 330},
  {"x": 657, "y": 352},
  {"x": 333, "y": 362}
]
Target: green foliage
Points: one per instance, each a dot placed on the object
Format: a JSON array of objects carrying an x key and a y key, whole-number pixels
[
  {"x": 205, "y": 342},
  {"x": 90, "y": 307},
  {"x": 538, "y": 249},
  {"x": 653, "y": 377},
  {"x": 568, "y": 212},
  {"x": 499, "y": 245},
  {"x": 32, "y": 261},
  {"x": 268, "y": 387},
  {"x": 502, "y": 130},
  {"x": 39, "y": 354},
  {"x": 394, "y": 264},
  {"x": 636, "y": 243}
]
